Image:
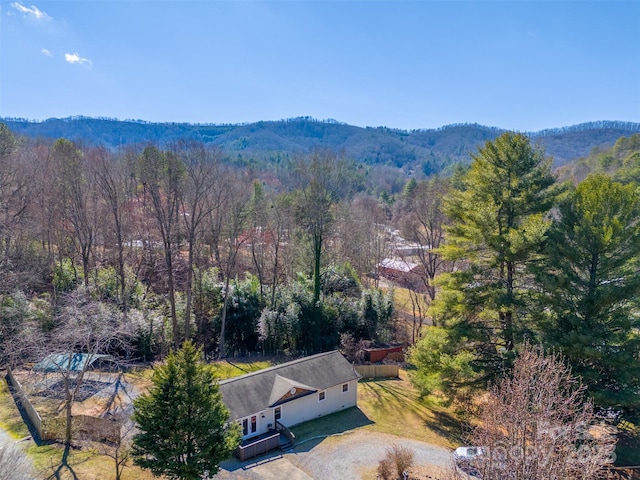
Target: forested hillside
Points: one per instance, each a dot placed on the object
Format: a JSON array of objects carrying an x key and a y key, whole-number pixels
[
  {"x": 177, "y": 242},
  {"x": 622, "y": 161},
  {"x": 426, "y": 151}
]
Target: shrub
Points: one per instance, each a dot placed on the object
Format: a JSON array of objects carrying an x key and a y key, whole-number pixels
[
  {"x": 402, "y": 457},
  {"x": 398, "y": 459},
  {"x": 385, "y": 469},
  {"x": 65, "y": 276}
]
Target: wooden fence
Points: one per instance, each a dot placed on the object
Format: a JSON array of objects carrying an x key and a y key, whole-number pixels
[
  {"x": 83, "y": 426},
  {"x": 378, "y": 371},
  {"x": 31, "y": 412}
]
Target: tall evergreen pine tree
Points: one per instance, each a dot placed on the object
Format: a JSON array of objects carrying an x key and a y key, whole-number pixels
[
  {"x": 497, "y": 226},
  {"x": 182, "y": 419},
  {"x": 590, "y": 288}
]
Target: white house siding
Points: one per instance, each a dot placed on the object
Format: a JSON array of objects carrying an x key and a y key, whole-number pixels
[
  {"x": 309, "y": 407},
  {"x": 253, "y": 392},
  {"x": 262, "y": 424}
]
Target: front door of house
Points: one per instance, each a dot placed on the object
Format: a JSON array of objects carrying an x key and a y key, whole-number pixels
[{"x": 277, "y": 415}]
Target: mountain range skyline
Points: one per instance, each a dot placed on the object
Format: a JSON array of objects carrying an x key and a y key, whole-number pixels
[
  {"x": 407, "y": 65},
  {"x": 427, "y": 150}
]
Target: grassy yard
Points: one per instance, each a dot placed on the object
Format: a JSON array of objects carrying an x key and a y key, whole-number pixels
[
  {"x": 85, "y": 464},
  {"x": 389, "y": 406},
  {"x": 92, "y": 463},
  {"x": 229, "y": 368},
  {"x": 402, "y": 300},
  {"x": 407, "y": 316},
  {"x": 394, "y": 407}
]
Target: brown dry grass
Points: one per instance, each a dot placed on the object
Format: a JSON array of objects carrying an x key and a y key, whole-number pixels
[
  {"x": 106, "y": 397},
  {"x": 87, "y": 464},
  {"x": 421, "y": 472}
]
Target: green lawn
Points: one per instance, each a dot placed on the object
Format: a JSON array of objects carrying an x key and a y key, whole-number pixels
[
  {"x": 394, "y": 406},
  {"x": 10, "y": 419},
  {"x": 402, "y": 301},
  {"x": 229, "y": 369}
]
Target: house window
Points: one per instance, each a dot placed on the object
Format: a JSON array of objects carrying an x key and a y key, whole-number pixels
[
  {"x": 345, "y": 387},
  {"x": 254, "y": 424},
  {"x": 278, "y": 413},
  {"x": 321, "y": 396},
  {"x": 245, "y": 427}
]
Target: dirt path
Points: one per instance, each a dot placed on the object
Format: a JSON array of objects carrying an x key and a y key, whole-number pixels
[{"x": 345, "y": 457}]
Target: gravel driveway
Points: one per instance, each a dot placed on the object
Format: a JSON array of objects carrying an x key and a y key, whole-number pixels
[
  {"x": 16, "y": 459},
  {"x": 345, "y": 457}
]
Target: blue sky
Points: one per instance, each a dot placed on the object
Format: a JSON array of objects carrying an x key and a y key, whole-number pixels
[{"x": 403, "y": 64}]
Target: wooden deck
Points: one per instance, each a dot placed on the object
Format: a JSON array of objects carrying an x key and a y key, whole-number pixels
[
  {"x": 281, "y": 438},
  {"x": 258, "y": 446}
]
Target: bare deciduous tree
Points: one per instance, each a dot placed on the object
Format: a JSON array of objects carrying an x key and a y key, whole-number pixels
[
  {"x": 111, "y": 177},
  {"x": 320, "y": 181},
  {"x": 423, "y": 221},
  {"x": 281, "y": 222},
  {"x": 162, "y": 175},
  {"x": 236, "y": 213},
  {"x": 198, "y": 201},
  {"x": 363, "y": 236},
  {"x": 76, "y": 192},
  {"x": 119, "y": 449},
  {"x": 537, "y": 425},
  {"x": 84, "y": 330},
  {"x": 16, "y": 195}
]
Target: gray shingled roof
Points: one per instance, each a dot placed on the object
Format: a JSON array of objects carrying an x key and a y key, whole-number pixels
[{"x": 254, "y": 392}]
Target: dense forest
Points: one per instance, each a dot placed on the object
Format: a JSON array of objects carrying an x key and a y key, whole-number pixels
[
  {"x": 424, "y": 151},
  {"x": 174, "y": 241}
]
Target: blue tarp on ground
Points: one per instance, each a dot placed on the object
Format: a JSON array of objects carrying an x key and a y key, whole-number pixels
[{"x": 75, "y": 362}]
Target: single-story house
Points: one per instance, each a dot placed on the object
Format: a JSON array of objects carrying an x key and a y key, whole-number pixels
[{"x": 291, "y": 393}]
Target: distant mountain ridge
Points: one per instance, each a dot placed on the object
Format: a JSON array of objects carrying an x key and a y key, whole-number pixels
[{"x": 431, "y": 150}]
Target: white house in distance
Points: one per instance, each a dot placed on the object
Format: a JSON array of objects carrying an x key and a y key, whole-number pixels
[{"x": 291, "y": 393}]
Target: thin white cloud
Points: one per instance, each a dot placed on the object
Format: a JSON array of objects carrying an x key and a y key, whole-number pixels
[
  {"x": 31, "y": 12},
  {"x": 46, "y": 52},
  {"x": 74, "y": 58}
]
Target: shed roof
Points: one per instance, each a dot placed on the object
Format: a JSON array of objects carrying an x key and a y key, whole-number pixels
[
  {"x": 75, "y": 362},
  {"x": 254, "y": 392}
]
